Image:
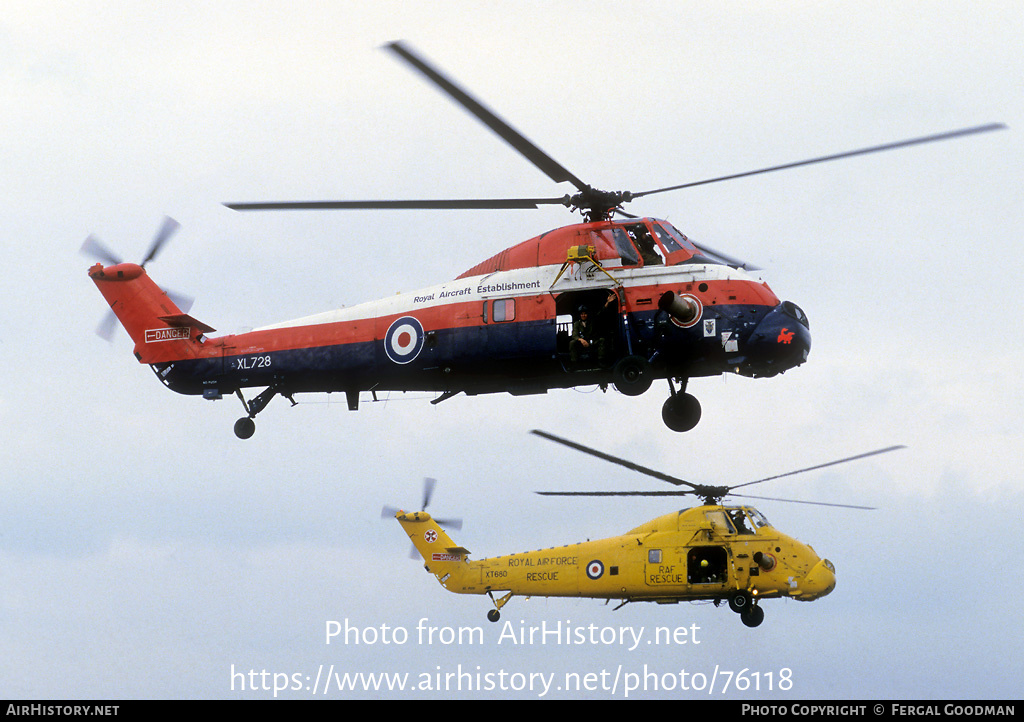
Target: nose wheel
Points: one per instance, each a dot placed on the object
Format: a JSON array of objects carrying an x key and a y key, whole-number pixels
[
  {"x": 681, "y": 411},
  {"x": 752, "y": 616}
]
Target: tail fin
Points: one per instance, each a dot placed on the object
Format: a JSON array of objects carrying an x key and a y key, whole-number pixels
[
  {"x": 442, "y": 557},
  {"x": 160, "y": 330}
]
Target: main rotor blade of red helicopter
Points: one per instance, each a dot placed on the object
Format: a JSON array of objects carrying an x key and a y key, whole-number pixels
[
  {"x": 548, "y": 165},
  {"x": 848, "y": 154},
  {"x": 687, "y": 492},
  {"x": 426, "y": 204}
]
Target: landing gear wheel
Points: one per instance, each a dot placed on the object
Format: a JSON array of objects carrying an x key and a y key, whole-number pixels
[
  {"x": 680, "y": 412},
  {"x": 752, "y": 616},
  {"x": 493, "y": 616},
  {"x": 245, "y": 427},
  {"x": 740, "y": 602},
  {"x": 632, "y": 375}
]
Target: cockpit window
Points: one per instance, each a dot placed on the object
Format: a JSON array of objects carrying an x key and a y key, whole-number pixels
[
  {"x": 745, "y": 519},
  {"x": 681, "y": 241},
  {"x": 757, "y": 517},
  {"x": 665, "y": 238},
  {"x": 740, "y": 521},
  {"x": 643, "y": 241},
  {"x": 796, "y": 312}
]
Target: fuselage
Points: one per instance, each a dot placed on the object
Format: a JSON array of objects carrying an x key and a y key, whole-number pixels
[
  {"x": 505, "y": 325},
  {"x": 707, "y": 552}
]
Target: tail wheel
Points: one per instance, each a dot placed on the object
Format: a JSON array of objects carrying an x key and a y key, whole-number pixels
[
  {"x": 245, "y": 427},
  {"x": 741, "y": 601},
  {"x": 632, "y": 375},
  {"x": 493, "y": 615}
]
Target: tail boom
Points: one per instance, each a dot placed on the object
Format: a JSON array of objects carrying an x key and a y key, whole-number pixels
[
  {"x": 162, "y": 332},
  {"x": 546, "y": 572}
]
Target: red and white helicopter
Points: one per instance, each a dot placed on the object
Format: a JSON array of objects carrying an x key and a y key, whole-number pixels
[{"x": 657, "y": 306}]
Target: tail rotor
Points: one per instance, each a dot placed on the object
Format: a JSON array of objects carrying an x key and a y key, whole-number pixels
[
  {"x": 429, "y": 484},
  {"x": 96, "y": 249}
]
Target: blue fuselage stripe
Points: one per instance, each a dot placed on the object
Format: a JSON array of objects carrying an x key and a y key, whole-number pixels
[{"x": 460, "y": 358}]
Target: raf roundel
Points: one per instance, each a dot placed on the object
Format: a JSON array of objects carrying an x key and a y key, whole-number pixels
[
  {"x": 404, "y": 340},
  {"x": 595, "y": 569}
]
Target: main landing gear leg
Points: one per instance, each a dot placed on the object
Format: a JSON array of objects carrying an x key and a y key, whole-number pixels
[
  {"x": 494, "y": 615},
  {"x": 245, "y": 427},
  {"x": 681, "y": 411}
]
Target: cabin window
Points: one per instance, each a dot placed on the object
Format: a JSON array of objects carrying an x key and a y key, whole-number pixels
[
  {"x": 654, "y": 556},
  {"x": 625, "y": 248},
  {"x": 720, "y": 522},
  {"x": 504, "y": 310},
  {"x": 501, "y": 310}
]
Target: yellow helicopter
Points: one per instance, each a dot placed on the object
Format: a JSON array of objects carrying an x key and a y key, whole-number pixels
[{"x": 712, "y": 552}]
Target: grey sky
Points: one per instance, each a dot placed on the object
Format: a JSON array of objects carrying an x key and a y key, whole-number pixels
[{"x": 144, "y": 550}]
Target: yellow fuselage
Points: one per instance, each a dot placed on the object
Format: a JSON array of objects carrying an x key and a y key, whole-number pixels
[{"x": 698, "y": 553}]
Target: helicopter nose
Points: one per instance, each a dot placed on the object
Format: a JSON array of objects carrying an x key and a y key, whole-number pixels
[
  {"x": 819, "y": 581},
  {"x": 780, "y": 342}
]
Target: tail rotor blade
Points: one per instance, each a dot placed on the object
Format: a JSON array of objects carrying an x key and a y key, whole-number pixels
[
  {"x": 450, "y": 523},
  {"x": 180, "y": 300},
  {"x": 107, "y": 327},
  {"x": 167, "y": 229},
  {"x": 428, "y": 491},
  {"x": 92, "y": 246}
]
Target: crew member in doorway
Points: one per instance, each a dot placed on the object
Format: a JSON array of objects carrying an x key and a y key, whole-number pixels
[{"x": 588, "y": 338}]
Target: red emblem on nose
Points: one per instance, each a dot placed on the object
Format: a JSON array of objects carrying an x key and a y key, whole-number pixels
[{"x": 785, "y": 336}]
